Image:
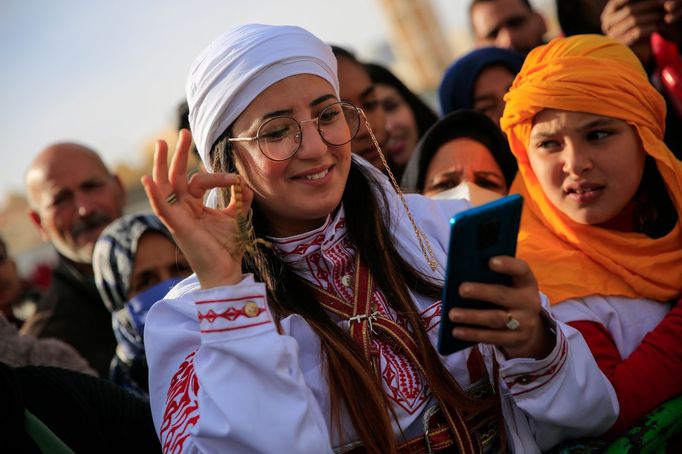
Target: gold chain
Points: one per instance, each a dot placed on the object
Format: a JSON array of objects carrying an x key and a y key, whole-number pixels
[{"x": 423, "y": 241}]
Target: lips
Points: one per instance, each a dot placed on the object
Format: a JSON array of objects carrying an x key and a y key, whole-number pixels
[
  {"x": 395, "y": 147},
  {"x": 316, "y": 174},
  {"x": 583, "y": 192}
]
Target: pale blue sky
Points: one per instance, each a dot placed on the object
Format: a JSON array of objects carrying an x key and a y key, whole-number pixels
[{"x": 110, "y": 74}]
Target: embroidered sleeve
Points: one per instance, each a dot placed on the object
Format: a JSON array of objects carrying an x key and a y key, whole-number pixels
[
  {"x": 222, "y": 379},
  {"x": 560, "y": 397}
]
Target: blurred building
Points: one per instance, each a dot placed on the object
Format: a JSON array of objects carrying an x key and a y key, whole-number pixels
[{"x": 418, "y": 42}]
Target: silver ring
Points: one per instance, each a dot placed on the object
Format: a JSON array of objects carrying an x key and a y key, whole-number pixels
[
  {"x": 172, "y": 198},
  {"x": 512, "y": 324}
]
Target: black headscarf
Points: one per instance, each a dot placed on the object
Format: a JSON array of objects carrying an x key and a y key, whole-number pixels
[
  {"x": 423, "y": 114},
  {"x": 461, "y": 123}
]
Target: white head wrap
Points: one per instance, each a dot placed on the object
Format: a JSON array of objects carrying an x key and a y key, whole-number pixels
[{"x": 233, "y": 70}]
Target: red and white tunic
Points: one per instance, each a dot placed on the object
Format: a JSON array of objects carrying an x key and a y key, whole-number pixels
[
  {"x": 636, "y": 343},
  {"x": 222, "y": 379}
]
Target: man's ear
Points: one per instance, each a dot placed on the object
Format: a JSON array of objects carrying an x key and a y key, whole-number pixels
[{"x": 37, "y": 221}]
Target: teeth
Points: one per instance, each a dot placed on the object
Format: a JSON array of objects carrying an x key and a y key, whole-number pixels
[
  {"x": 583, "y": 191},
  {"x": 317, "y": 176}
]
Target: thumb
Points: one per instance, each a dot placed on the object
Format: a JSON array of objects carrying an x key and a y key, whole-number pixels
[{"x": 202, "y": 182}]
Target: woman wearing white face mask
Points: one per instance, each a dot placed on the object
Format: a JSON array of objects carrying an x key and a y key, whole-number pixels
[
  {"x": 319, "y": 335},
  {"x": 463, "y": 155}
]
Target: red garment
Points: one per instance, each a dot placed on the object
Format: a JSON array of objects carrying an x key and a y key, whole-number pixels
[{"x": 648, "y": 377}]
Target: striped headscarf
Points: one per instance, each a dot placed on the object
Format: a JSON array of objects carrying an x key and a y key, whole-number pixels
[
  {"x": 114, "y": 256},
  {"x": 597, "y": 75}
]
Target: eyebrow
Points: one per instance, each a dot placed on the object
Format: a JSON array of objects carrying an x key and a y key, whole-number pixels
[
  {"x": 368, "y": 91},
  {"x": 485, "y": 173},
  {"x": 596, "y": 123},
  {"x": 288, "y": 112},
  {"x": 449, "y": 174}
]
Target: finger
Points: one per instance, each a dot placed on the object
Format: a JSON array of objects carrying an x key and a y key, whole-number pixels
[
  {"x": 178, "y": 167},
  {"x": 672, "y": 6},
  {"x": 160, "y": 169},
  {"x": 646, "y": 6},
  {"x": 156, "y": 199},
  {"x": 518, "y": 269},
  {"x": 608, "y": 10},
  {"x": 199, "y": 183},
  {"x": 640, "y": 33},
  {"x": 525, "y": 298},
  {"x": 614, "y": 5},
  {"x": 673, "y": 11},
  {"x": 671, "y": 18},
  {"x": 502, "y": 338},
  {"x": 619, "y": 20},
  {"x": 648, "y": 19},
  {"x": 487, "y": 318}
]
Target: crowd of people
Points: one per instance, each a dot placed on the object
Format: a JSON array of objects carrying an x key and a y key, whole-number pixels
[{"x": 287, "y": 297}]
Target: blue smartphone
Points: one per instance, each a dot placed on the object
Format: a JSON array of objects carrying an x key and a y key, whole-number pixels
[{"x": 476, "y": 235}]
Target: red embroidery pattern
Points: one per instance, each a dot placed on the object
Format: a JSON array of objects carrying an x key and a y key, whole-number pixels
[
  {"x": 547, "y": 373},
  {"x": 431, "y": 316},
  {"x": 302, "y": 248},
  {"x": 403, "y": 382},
  {"x": 230, "y": 314},
  {"x": 327, "y": 262},
  {"x": 182, "y": 408}
]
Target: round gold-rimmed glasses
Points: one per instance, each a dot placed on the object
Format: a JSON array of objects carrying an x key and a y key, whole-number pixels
[{"x": 280, "y": 138}]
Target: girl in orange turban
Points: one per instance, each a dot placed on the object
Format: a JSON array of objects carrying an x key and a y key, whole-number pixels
[{"x": 601, "y": 220}]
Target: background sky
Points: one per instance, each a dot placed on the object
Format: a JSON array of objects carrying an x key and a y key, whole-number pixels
[{"x": 110, "y": 74}]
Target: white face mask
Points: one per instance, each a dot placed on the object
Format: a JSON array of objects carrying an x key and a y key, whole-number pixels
[
  {"x": 469, "y": 191},
  {"x": 461, "y": 191}
]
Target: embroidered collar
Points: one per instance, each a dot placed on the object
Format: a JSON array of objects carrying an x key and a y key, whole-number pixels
[{"x": 294, "y": 248}]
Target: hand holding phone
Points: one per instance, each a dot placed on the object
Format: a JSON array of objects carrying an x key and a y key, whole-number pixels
[
  {"x": 476, "y": 236},
  {"x": 485, "y": 286}
]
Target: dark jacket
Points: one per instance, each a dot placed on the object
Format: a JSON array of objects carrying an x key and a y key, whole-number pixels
[{"x": 73, "y": 311}]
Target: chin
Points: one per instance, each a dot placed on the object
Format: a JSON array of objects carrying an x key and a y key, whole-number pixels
[{"x": 586, "y": 218}]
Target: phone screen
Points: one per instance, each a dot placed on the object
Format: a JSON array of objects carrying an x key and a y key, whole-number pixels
[{"x": 476, "y": 235}]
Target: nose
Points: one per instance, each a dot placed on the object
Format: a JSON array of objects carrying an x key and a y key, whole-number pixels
[
  {"x": 312, "y": 145},
  {"x": 504, "y": 39},
  {"x": 576, "y": 162},
  {"x": 84, "y": 204}
]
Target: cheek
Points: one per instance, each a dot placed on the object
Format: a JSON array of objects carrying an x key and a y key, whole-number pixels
[
  {"x": 408, "y": 121},
  {"x": 548, "y": 173},
  {"x": 260, "y": 173}
]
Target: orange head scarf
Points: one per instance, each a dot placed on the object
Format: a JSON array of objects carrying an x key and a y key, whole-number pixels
[{"x": 596, "y": 75}]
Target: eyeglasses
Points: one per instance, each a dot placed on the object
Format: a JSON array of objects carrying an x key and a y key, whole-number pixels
[{"x": 280, "y": 138}]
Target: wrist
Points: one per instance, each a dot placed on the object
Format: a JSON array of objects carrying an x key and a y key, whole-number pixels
[
  {"x": 212, "y": 280},
  {"x": 540, "y": 344}
]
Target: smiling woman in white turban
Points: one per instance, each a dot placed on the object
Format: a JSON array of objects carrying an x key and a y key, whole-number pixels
[{"x": 319, "y": 334}]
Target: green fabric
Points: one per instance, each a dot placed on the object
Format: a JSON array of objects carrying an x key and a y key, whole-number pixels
[
  {"x": 652, "y": 434},
  {"x": 46, "y": 439}
]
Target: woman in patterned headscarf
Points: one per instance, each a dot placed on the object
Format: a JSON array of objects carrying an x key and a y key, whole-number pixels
[
  {"x": 601, "y": 226},
  {"x": 136, "y": 263}
]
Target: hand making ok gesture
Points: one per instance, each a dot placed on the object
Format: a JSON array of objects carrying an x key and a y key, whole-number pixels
[{"x": 206, "y": 236}]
